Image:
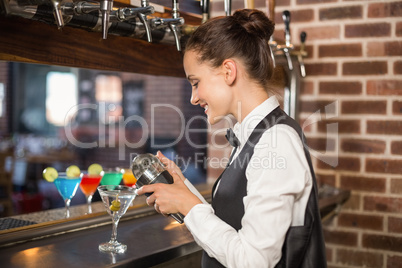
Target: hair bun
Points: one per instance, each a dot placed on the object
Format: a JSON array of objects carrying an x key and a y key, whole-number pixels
[{"x": 255, "y": 22}]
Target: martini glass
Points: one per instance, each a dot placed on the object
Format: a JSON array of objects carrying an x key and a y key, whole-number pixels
[
  {"x": 67, "y": 187},
  {"x": 112, "y": 194},
  {"x": 88, "y": 185}
]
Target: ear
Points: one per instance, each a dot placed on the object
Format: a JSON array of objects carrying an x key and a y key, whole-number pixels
[{"x": 229, "y": 68}]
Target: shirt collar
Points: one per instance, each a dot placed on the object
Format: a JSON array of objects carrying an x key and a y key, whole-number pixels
[{"x": 244, "y": 129}]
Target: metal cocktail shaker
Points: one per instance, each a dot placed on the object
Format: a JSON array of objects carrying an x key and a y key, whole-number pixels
[{"x": 149, "y": 170}]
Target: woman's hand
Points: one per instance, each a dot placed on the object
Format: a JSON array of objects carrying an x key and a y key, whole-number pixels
[
  {"x": 170, "y": 165},
  {"x": 170, "y": 198}
]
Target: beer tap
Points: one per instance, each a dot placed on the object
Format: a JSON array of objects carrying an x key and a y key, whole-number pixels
[
  {"x": 106, "y": 7},
  {"x": 302, "y": 53},
  {"x": 144, "y": 19},
  {"x": 205, "y": 10},
  {"x": 228, "y": 7},
  {"x": 58, "y": 15},
  {"x": 288, "y": 46},
  {"x": 172, "y": 23}
]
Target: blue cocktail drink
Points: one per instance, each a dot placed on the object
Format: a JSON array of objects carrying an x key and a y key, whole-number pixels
[{"x": 67, "y": 187}]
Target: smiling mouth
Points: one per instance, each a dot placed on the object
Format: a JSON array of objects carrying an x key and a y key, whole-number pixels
[{"x": 205, "y": 108}]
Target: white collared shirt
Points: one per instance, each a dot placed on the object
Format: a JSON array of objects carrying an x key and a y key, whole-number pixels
[{"x": 278, "y": 186}]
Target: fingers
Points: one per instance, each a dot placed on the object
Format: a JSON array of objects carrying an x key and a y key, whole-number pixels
[
  {"x": 170, "y": 165},
  {"x": 176, "y": 177}
]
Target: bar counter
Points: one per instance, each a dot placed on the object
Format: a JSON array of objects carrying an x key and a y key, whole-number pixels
[{"x": 152, "y": 240}]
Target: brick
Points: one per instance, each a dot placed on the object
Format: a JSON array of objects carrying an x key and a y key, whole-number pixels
[
  {"x": 328, "y": 179},
  {"x": 396, "y": 186},
  {"x": 377, "y": 49},
  {"x": 363, "y": 146},
  {"x": 340, "y": 238},
  {"x": 396, "y": 147},
  {"x": 321, "y": 69},
  {"x": 384, "y": 87},
  {"x": 303, "y": 15},
  {"x": 395, "y": 225},
  {"x": 384, "y": 166},
  {"x": 360, "y": 183},
  {"x": 340, "y": 88},
  {"x": 322, "y": 32},
  {"x": 306, "y": 87},
  {"x": 342, "y": 50},
  {"x": 384, "y": 127},
  {"x": 381, "y": 10},
  {"x": 354, "y": 220},
  {"x": 389, "y": 243},
  {"x": 344, "y": 126},
  {"x": 365, "y": 68},
  {"x": 343, "y": 163},
  {"x": 367, "y": 30},
  {"x": 364, "y": 107},
  {"x": 393, "y": 261},
  {"x": 397, "y": 107},
  {"x": 398, "y": 67},
  {"x": 313, "y": 106},
  {"x": 321, "y": 144},
  {"x": 382, "y": 204},
  {"x": 398, "y": 30},
  {"x": 353, "y": 203},
  {"x": 353, "y": 258},
  {"x": 349, "y": 12}
]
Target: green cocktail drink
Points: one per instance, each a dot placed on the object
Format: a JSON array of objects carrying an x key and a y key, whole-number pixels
[{"x": 111, "y": 178}]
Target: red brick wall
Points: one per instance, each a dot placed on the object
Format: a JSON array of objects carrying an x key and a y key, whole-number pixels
[{"x": 354, "y": 61}]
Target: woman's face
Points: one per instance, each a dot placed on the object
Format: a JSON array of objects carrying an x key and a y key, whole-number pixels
[{"x": 209, "y": 89}]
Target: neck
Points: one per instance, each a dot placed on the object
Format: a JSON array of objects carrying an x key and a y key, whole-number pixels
[{"x": 248, "y": 100}]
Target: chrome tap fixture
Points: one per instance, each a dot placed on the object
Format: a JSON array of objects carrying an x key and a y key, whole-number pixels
[
  {"x": 106, "y": 7},
  {"x": 173, "y": 23},
  {"x": 79, "y": 8},
  {"x": 143, "y": 16},
  {"x": 204, "y": 10},
  {"x": 288, "y": 46},
  {"x": 58, "y": 15},
  {"x": 125, "y": 14},
  {"x": 228, "y": 7}
]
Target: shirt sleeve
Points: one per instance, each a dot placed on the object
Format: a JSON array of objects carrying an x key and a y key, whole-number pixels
[{"x": 278, "y": 177}]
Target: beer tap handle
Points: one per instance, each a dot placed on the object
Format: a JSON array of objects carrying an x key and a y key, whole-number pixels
[
  {"x": 204, "y": 10},
  {"x": 288, "y": 46},
  {"x": 175, "y": 23},
  {"x": 58, "y": 15},
  {"x": 173, "y": 28},
  {"x": 286, "y": 20},
  {"x": 144, "y": 20},
  {"x": 106, "y": 7},
  {"x": 228, "y": 7},
  {"x": 303, "y": 36},
  {"x": 143, "y": 16}
]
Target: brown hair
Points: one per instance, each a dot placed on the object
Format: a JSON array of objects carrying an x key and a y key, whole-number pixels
[{"x": 244, "y": 36}]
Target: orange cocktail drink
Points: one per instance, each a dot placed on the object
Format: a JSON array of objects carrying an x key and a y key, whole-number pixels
[{"x": 128, "y": 178}]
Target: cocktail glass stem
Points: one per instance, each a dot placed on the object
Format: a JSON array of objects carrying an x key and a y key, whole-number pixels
[
  {"x": 89, "y": 202},
  {"x": 113, "y": 239},
  {"x": 67, "y": 205}
]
